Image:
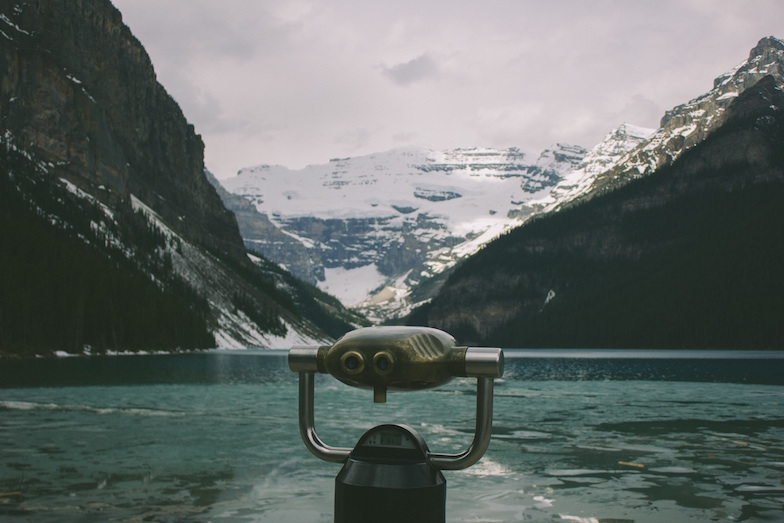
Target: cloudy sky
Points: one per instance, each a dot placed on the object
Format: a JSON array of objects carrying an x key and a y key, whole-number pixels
[{"x": 296, "y": 82}]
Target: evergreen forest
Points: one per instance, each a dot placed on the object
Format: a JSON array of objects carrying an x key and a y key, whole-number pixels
[{"x": 64, "y": 287}]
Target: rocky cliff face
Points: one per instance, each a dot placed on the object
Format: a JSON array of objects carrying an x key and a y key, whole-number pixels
[{"x": 79, "y": 90}]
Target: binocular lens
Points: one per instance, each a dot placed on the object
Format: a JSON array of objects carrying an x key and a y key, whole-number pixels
[
  {"x": 382, "y": 363},
  {"x": 353, "y": 362}
]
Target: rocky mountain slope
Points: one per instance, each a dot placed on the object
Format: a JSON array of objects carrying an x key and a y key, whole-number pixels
[
  {"x": 686, "y": 257},
  {"x": 380, "y": 231},
  {"x": 86, "y": 128},
  {"x": 599, "y": 160},
  {"x": 688, "y": 124}
]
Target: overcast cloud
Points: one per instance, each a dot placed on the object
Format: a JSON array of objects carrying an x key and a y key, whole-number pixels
[{"x": 295, "y": 82}]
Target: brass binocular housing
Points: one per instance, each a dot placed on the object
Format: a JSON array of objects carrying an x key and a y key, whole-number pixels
[{"x": 397, "y": 358}]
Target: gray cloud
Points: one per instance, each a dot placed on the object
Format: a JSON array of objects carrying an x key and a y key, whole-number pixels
[{"x": 419, "y": 68}]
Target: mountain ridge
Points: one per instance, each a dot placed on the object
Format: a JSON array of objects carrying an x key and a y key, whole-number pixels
[
  {"x": 627, "y": 153},
  {"x": 440, "y": 208},
  {"x": 686, "y": 125}
]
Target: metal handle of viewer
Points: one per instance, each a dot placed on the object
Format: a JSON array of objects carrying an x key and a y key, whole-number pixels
[
  {"x": 305, "y": 361},
  {"x": 484, "y": 364},
  {"x": 307, "y": 426}
]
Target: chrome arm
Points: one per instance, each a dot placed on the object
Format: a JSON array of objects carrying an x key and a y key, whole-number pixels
[
  {"x": 307, "y": 426},
  {"x": 484, "y": 364},
  {"x": 484, "y": 425}
]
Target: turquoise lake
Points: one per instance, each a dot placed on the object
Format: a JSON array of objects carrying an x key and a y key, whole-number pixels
[{"x": 581, "y": 436}]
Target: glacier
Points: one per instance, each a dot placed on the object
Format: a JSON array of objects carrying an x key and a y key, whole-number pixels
[{"x": 376, "y": 228}]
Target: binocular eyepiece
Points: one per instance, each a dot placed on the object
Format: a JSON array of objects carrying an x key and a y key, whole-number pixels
[{"x": 397, "y": 358}]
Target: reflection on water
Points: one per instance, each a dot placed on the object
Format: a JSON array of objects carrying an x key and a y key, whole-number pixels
[{"x": 214, "y": 437}]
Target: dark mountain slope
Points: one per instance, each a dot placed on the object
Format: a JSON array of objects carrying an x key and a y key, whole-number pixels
[
  {"x": 111, "y": 173},
  {"x": 688, "y": 257}
]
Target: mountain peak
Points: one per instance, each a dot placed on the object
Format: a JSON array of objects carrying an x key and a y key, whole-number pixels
[
  {"x": 766, "y": 58},
  {"x": 765, "y": 45},
  {"x": 627, "y": 130},
  {"x": 687, "y": 124}
]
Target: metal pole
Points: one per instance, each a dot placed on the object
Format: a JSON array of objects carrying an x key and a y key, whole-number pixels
[{"x": 484, "y": 425}]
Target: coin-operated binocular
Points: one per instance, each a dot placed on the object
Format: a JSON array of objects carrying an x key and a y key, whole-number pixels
[{"x": 391, "y": 475}]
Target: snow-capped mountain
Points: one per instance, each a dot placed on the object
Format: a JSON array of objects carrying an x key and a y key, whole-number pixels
[{"x": 372, "y": 227}]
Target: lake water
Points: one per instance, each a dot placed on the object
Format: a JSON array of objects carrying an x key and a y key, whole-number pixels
[{"x": 607, "y": 436}]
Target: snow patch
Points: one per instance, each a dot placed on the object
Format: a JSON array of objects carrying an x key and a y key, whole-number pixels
[
  {"x": 8, "y": 22},
  {"x": 226, "y": 336},
  {"x": 352, "y": 286},
  {"x": 153, "y": 217}
]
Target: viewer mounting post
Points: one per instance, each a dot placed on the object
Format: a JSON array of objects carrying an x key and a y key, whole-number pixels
[{"x": 391, "y": 475}]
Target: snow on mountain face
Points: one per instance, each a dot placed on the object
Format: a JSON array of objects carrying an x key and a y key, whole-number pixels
[
  {"x": 376, "y": 225},
  {"x": 600, "y": 159},
  {"x": 456, "y": 185}
]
